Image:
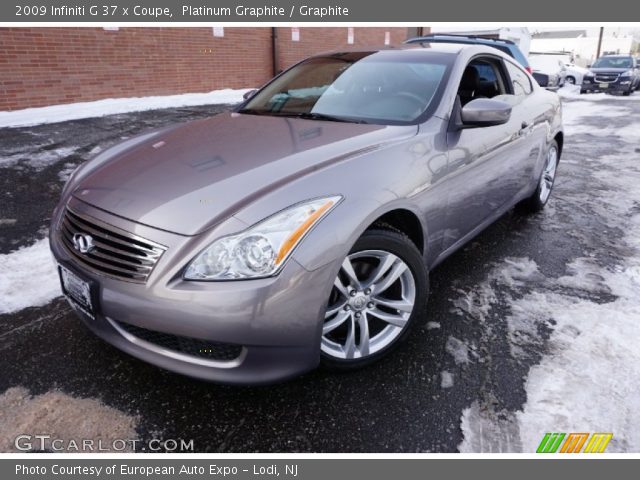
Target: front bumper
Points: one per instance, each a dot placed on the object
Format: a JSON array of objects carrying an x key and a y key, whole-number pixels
[
  {"x": 621, "y": 84},
  {"x": 274, "y": 323}
]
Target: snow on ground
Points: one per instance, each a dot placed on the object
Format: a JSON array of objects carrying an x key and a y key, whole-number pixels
[
  {"x": 63, "y": 417},
  {"x": 38, "y": 161},
  {"x": 112, "y": 106},
  {"x": 586, "y": 380},
  {"x": 28, "y": 278},
  {"x": 446, "y": 379},
  {"x": 458, "y": 350}
]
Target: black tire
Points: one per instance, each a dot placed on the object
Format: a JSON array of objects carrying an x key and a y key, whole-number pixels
[
  {"x": 628, "y": 92},
  {"x": 534, "y": 203},
  {"x": 583, "y": 91},
  {"x": 397, "y": 243}
]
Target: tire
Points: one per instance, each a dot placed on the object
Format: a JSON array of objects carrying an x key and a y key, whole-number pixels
[
  {"x": 353, "y": 309},
  {"x": 583, "y": 91},
  {"x": 570, "y": 80},
  {"x": 628, "y": 92},
  {"x": 540, "y": 197}
]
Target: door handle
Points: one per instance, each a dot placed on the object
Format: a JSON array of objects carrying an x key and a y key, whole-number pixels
[{"x": 524, "y": 126}]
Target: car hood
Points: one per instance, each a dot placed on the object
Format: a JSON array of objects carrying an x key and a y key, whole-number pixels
[
  {"x": 189, "y": 178},
  {"x": 609, "y": 70}
]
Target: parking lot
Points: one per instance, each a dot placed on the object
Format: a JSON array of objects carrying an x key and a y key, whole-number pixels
[{"x": 532, "y": 327}]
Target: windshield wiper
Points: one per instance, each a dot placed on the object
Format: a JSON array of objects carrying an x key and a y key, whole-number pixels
[
  {"x": 305, "y": 115},
  {"x": 321, "y": 116}
]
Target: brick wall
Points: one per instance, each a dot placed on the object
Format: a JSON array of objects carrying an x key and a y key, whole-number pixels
[
  {"x": 319, "y": 39},
  {"x": 46, "y": 66}
]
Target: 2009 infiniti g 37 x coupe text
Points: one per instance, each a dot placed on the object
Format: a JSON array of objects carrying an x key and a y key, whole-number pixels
[{"x": 299, "y": 228}]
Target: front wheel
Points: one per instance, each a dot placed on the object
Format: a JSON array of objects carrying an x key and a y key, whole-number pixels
[
  {"x": 540, "y": 197},
  {"x": 379, "y": 292}
]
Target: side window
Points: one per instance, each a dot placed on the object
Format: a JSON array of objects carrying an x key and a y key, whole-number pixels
[
  {"x": 519, "y": 80},
  {"x": 482, "y": 78}
]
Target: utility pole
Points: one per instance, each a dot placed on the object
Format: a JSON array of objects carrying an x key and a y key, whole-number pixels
[{"x": 600, "y": 42}]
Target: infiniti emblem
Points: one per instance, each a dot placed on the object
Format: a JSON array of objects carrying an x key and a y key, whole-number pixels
[{"x": 82, "y": 242}]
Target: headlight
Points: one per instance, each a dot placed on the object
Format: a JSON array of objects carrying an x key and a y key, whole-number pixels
[
  {"x": 628, "y": 73},
  {"x": 261, "y": 250}
]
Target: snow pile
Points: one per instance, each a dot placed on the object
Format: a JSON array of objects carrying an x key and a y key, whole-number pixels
[
  {"x": 63, "y": 417},
  {"x": 112, "y": 106},
  {"x": 28, "y": 278}
]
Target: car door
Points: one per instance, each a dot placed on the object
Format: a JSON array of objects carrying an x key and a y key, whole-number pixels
[{"x": 487, "y": 165}]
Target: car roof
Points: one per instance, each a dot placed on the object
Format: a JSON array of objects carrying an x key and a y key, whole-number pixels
[{"x": 446, "y": 48}]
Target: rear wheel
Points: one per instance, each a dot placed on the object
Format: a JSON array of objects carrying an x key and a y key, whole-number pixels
[
  {"x": 540, "y": 197},
  {"x": 380, "y": 290}
]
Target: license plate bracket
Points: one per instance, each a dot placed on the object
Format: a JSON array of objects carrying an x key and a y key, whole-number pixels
[
  {"x": 603, "y": 85},
  {"x": 80, "y": 293}
]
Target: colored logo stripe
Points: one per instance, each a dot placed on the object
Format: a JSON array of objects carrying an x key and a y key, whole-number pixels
[
  {"x": 574, "y": 442},
  {"x": 598, "y": 442},
  {"x": 550, "y": 442}
]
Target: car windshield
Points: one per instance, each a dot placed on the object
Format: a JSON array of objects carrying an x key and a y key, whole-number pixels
[
  {"x": 384, "y": 87},
  {"x": 613, "y": 62}
]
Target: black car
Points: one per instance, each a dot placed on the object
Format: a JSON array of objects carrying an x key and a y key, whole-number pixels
[{"x": 612, "y": 74}]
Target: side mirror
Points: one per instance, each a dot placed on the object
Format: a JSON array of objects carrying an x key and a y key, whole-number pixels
[
  {"x": 249, "y": 94},
  {"x": 485, "y": 112}
]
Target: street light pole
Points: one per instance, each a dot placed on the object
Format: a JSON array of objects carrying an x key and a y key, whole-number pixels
[{"x": 600, "y": 42}]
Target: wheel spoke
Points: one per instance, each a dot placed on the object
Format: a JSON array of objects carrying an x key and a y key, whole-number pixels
[
  {"x": 349, "y": 347},
  {"x": 363, "y": 344},
  {"x": 383, "y": 267},
  {"x": 398, "y": 269},
  {"x": 390, "y": 318},
  {"x": 333, "y": 310},
  {"x": 347, "y": 268},
  {"x": 402, "y": 305},
  {"x": 335, "y": 323},
  {"x": 341, "y": 288}
]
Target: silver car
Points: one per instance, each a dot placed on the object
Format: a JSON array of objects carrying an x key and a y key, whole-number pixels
[{"x": 300, "y": 228}]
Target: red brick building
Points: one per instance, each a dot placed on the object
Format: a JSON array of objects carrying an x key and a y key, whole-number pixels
[{"x": 46, "y": 66}]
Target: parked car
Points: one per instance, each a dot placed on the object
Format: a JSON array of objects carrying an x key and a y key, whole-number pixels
[
  {"x": 575, "y": 73},
  {"x": 548, "y": 70},
  {"x": 300, "y": 227},
  {"x": 612, "y": 74},
  {"x": 505, "y": 46}
]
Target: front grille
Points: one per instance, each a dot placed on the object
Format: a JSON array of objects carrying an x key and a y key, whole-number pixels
[
  {"x": 185, "y": 345},
  {"x": 607, "y": 78},
  {"x": 115, "y": 253}
]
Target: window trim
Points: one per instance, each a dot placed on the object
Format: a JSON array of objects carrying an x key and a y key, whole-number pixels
[{"x": 524, "y": 72}]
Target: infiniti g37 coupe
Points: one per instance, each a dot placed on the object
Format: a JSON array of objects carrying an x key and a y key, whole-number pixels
[{"x": 300, "y": 228}]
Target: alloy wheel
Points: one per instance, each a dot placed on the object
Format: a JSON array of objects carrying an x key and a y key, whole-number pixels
[
  {"x": 371, "y": 302},
  {"x": 549, "y": 174}
]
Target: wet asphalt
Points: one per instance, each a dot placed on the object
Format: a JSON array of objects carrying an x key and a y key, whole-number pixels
[{"x": 397, "y": 405}]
